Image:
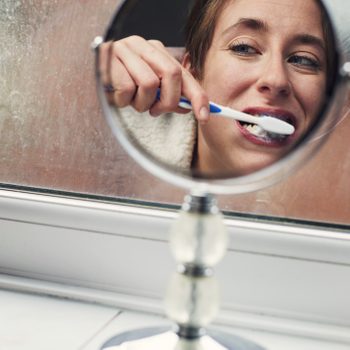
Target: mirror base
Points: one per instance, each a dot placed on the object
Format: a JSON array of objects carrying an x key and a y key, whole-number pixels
[{"x": 165, "y": 339}]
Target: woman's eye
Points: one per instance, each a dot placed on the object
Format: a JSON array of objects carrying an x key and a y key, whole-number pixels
[
  {"x": 304, "y": 62},
  {"x": 243, "y": 49}
]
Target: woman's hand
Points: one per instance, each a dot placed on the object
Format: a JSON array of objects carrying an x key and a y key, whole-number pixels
[{"x": 133, "y": 69}]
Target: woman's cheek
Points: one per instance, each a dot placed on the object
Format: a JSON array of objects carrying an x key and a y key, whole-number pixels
[
  {"x": 219, "y": 78},
  {"x": 313, "y": 98}
]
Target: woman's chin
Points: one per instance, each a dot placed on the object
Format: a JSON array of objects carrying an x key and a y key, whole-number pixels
[{"x": 252, "y": 165}]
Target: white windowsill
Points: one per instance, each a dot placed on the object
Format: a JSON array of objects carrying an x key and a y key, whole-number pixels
[{"x": 275, "y": 278}]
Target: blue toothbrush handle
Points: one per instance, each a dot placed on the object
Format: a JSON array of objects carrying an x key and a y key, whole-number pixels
[{"x": 186, "y": 103}]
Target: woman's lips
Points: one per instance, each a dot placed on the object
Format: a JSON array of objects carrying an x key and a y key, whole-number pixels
[{"x": 258, "y": 136}]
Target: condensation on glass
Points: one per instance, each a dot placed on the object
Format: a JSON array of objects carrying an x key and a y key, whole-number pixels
[{"x": 54, "y": 136}]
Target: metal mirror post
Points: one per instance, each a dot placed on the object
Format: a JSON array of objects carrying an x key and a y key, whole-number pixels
[{"x": 239, "y": 55}]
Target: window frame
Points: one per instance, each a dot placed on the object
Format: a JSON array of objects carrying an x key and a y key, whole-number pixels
[{"x": 108, "y": 253}]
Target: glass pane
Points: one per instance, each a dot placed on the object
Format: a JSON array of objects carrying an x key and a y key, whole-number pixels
[{"x": 54, "y": 136}]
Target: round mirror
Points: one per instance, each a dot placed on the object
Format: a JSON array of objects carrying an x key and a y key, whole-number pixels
[{"x": 228, "y": 96}]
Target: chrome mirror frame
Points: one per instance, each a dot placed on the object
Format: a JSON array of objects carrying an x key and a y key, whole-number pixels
[{"x": 265, "y": 177}]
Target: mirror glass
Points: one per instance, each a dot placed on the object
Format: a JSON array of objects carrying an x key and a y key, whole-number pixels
[{"x": 250, "y": 56}]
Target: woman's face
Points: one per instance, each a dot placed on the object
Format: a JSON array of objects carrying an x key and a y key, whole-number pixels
[{"x": 267, "y": 57}]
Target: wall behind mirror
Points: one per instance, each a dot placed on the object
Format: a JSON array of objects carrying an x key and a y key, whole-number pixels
[{"x": 54, "y": 136}]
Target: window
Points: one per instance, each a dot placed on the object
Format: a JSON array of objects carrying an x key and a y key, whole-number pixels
[{"x": 55, "y": 138}]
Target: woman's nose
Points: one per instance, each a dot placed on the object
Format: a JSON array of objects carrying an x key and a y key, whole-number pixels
[{"x": 274, "y": 80}]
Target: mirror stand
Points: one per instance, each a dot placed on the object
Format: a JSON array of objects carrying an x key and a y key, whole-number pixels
[{"x": 198, "y": 242}]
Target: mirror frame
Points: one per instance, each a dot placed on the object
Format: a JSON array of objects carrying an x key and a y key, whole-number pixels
[{"x": 262, "y": 178}]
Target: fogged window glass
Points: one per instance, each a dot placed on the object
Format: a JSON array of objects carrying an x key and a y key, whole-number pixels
[{"x": 54, "y": 136}]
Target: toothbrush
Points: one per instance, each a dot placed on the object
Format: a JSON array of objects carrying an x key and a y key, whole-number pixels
[{"x": 269, "y": 124}]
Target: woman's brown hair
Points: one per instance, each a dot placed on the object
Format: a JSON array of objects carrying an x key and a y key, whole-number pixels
[{"x": 200, "y": 30}]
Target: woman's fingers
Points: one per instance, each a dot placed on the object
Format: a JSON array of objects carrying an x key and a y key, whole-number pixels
[
  {"x": 170, "y": 73},
  {"x": 124, "y": 88},
  {"x": 140, "y": 71},
  {"x": 137, "y": 68},
  {"x": 104, "y": 58},
  {"x": 189, "y": 87},
  {"x": 151, "y": 67},
  {"x": 119, "y": 86},
  {"x": 198, "y": 97}
]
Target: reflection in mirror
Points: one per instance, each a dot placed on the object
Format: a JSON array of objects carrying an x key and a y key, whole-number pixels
[{"x": 236, "y": 55}]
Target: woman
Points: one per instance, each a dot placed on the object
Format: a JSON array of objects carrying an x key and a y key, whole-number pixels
[{"x": 260, "y": 57}]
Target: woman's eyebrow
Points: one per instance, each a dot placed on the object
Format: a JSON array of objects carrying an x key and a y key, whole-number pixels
[
  {"x": 249, "y": 23},
  {"x": 257, "y": 24},
  {"x": 309, "y": 39}
]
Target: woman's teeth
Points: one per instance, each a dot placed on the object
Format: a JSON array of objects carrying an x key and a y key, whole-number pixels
[
  {"x": 259, "y": 132},
  {"x": 255, "y": 130}
]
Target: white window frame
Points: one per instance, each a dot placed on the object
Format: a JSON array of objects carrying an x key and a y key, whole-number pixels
[{"x": 276, "y": 276}]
